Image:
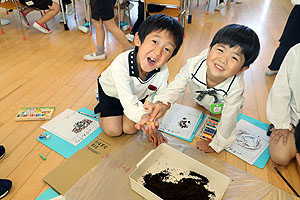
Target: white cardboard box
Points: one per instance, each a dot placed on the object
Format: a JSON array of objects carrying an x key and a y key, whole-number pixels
[{"x": 166, "y": 156}]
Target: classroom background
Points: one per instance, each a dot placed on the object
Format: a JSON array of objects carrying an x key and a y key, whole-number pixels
[{"x": 48, "y": 70}]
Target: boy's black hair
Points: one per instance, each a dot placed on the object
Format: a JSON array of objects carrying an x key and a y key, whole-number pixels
[
  {"x": 160, "y": 22},
  {"x": 239, "y": 35},
  {"x": 297, "y": 137}
]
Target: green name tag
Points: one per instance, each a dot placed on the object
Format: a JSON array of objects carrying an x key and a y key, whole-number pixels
[{"x": 216, "y": 108}]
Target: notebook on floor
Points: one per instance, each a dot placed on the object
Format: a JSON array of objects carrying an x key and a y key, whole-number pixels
[
  {"x": 65, "y": 148},
  {"x": 252, "y": 142}
]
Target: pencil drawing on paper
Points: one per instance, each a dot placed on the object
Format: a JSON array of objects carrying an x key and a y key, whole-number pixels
[
  {"x": 180, "y": 121},
  {"x": 184, "y": 123},
  {"x": 81, "y": 125},
  {"x": 71, "y": 126},
  {"x": 247, "y": 141},
  {"x": 251, "y": 141}
]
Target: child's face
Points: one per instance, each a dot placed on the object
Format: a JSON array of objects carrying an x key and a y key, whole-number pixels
[
  {"x": 224, "y": 62},
  {"x": 155, "y": 51}
]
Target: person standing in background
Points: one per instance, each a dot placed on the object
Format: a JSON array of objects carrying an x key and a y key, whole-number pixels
[{"x": 289, "y": 38}]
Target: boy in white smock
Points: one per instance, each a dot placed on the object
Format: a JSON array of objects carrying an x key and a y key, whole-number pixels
[
  {"x": 136, "y": 74},
  {"x": 283, "y": 109},
  {"x": 216, "y": 82}
]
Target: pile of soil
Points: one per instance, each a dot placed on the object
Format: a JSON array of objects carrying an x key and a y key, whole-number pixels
[{"x": 189, "y": 188}]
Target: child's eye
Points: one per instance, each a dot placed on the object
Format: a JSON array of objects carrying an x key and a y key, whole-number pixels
[
  {"x": 235, "y": 59},
  {"x": 168, "y": 50},
  {"x": 220, "y": 50},
  {"x": 154, "y": 41}
]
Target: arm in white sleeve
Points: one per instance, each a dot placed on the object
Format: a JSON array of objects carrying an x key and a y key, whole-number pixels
[
  {"x": 278, "y": 104},
  {"x": 226, "y": 130},
  {"x": 133, "y": 107},
  {"x": 177, "y": 87}
]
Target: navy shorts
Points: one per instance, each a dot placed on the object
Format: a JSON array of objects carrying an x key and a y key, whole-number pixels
[
  {"x": 109, "y": 106},
  {"x": 40, "y": 4},
  {"x": 102, "y": 9}
]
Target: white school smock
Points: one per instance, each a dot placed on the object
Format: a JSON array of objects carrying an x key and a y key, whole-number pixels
[
  {"x": 295, "y": 2},
  {"x": 121, "y": 80},
  {"x": 230, "y": 91},
  {"x": 283, "y": 105}
]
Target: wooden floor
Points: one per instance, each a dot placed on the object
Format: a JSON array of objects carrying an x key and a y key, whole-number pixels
[{"x": 48, "y": 70}]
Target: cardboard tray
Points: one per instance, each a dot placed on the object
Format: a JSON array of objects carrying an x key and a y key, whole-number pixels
[{"x": 166, "y": 156}]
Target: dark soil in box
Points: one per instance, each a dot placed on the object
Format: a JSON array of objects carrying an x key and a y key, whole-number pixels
[{"x": 188, "y": 188}]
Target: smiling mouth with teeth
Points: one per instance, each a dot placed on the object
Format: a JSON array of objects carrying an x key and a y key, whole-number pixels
[
  {"x": 151, "y": 61},
  {"x": 219, "y": 67}
]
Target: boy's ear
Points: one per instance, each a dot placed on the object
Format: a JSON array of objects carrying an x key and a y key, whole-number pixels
[
  {"x": 243, "y": 69},
  {"x": 137, "y": 41}
]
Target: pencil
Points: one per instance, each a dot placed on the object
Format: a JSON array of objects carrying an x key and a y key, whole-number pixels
[
  {"x": 88, "y": 115},
  {"x": 285, "y": 180}
]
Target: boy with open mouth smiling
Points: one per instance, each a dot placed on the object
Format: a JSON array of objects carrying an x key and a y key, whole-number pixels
[{"x": 136, "y": 74}]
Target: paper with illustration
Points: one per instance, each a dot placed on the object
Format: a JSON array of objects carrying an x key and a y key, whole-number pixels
[
  {"x": 251, "y": 141},
  {"x": 71, "y": 126},
  {"x": 181, "y": 121}
]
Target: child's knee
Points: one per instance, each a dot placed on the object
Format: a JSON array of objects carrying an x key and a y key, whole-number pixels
[
  {"x": 280, "y": 159},
  {"x": 281, "y": 154},
  {"x": 129, "y": 130},
  {"x": 112, "y": 132}
]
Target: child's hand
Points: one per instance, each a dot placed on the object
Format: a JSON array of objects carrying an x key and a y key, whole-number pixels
[
  {"x": 156, "y": 138},
  {"x": 156, "y": 109},
  {"x": 277, "y": 133},
  {"x": 146, "y": 121},
  {"x": 203, "y": 146}
]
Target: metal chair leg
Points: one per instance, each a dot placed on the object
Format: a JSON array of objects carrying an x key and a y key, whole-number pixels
[
  {"x": 20, "y": 20},
  {"x": 74, "y": 7},
  {"x": 1, "y": 28},
  {"x": 63, "y": 15}
]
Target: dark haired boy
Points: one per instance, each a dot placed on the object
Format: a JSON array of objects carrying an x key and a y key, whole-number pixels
[
  {"x": 136, "y": 74},
  {"x": 215, "y": 79}
]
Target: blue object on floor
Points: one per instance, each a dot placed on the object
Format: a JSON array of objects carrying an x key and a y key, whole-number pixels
[
  {"x": 65, "y": 148},
  {"x": 48, "y": 194}
]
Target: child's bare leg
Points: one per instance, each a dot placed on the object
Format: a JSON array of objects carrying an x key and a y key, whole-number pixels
[
  {"x": 281, "y": 154},
  {"x": 51, "y": 13},
  {"x": 128, "y": 126},
  {"x": 112, "y": 126},
  {"x": 27, "y": 10},
  {"x": 117, "y": 33},
  {"x": 100, "y": 36}
]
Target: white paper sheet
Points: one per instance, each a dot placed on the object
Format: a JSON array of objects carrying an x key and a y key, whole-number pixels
[
  {"x": 180, "y": 121},
  {"x": 250, "y": 142},
  {"x": 71, "y": 126}
]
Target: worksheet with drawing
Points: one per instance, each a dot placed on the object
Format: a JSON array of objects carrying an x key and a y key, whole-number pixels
[
  {"x": 71, "y": 126},
  {"x": 181, "y": 121},
  {"x": 251, "y": 141}
]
